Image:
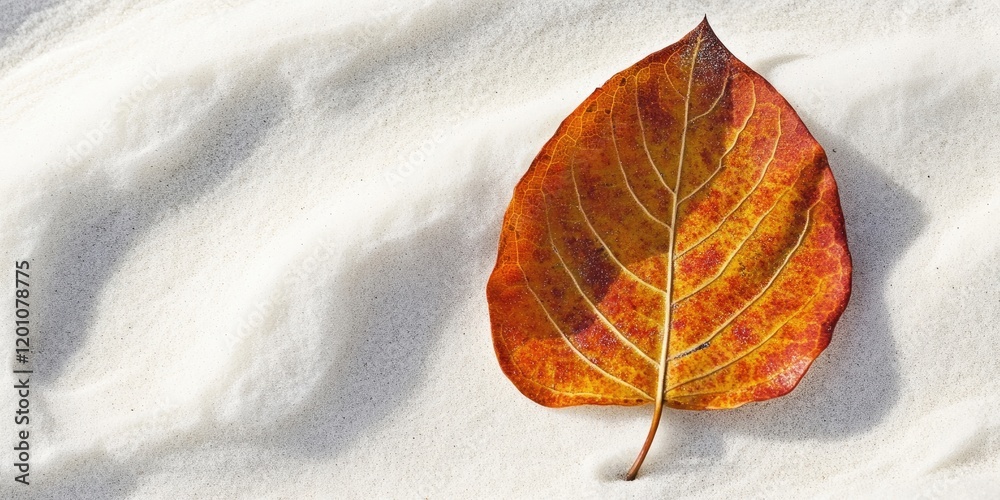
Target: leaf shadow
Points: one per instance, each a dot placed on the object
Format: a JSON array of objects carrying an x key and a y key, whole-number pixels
[
  {"x": 767, "y": 66},
  {"x": 854, "y": 383},
  {"x": 96, "y": 222}
]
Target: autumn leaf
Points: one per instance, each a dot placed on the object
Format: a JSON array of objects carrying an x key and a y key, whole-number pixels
[{"x": 678, "y": 241}]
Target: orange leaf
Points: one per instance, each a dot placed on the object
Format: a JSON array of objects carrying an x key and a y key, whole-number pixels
[{"x": 684, "y": 192}]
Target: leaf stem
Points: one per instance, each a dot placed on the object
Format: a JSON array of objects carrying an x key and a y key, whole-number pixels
[{"x": 657, "y": 412}]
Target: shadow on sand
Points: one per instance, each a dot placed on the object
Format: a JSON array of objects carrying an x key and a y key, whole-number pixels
[
  {"x": 95, "y": 224},
  {"x": 401, "y": 294}
]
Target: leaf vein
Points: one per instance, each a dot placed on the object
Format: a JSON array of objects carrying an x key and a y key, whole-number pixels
[
  {"x": 725, "y": 83},
  {"x": 739, "y": 247},
  {"x": 751, "y": 351},
  {"x": 746, "y": 197},
  {"x": 586, "y": 218},
  {"x": 628, "y": 184},
  {"x": 645, "y": 146},
  {"x": 570, "y": 343},
  {"x": 527, "y": 284},
  {"x": 724, "y": 155},
  {"x": 764, "y": 289},
  {"x": 593, "y": 307}
]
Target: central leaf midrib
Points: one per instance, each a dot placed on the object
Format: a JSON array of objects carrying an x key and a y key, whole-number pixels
[{"x": 665, "y": 348}]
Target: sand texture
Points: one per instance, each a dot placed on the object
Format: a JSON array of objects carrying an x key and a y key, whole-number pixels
[{"x": 260, "y": 233}]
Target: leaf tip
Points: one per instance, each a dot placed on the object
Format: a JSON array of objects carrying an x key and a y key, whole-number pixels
[{"x": 704, "y": 27}]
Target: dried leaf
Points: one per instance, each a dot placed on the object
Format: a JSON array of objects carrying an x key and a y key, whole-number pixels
[{"x": 684, "y": 192}]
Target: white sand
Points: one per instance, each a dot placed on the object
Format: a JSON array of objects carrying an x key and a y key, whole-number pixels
[{"x": 260, "y": 236}]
